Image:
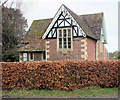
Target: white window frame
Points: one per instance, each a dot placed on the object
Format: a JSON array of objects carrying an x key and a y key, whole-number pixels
[
  {"x": 65, "y": 49},
  {"x": 25, "y": 56}
]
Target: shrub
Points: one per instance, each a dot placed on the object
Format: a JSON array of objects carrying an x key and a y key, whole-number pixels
[{"x": 61, "y": 75}]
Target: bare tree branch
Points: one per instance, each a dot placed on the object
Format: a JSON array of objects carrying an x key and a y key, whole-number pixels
[
  {"x": 11, "y": 4},
  {"x": 4, "y": 2}
]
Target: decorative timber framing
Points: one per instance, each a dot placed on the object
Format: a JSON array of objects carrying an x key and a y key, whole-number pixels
[{"x": 63, "y": 19}]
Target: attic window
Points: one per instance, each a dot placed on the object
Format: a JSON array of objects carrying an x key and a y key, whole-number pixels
[{"x": 64, "y": 38}]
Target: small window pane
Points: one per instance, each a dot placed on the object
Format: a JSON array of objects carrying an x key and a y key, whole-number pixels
[
  {"x": 69, "y": 32},
  {"x": 24, "y": 56},
  {"x": 65, "y": 45},
  {"x": 60, "y": 42},
  {"x": 60, "y": 46},
  {"x": 64, "y": 33},
  {"x": 60, "y": 33},
  {"x": 60, "y": 39},
  {"x": 69, "y": 39},
  {"x": 31, "y": 56},
  {"x": 69, "y": 44}
]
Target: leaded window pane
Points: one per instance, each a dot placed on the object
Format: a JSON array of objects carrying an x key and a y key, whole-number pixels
[
  {"x": 65, "y": 45},
  {"x": 69, "y": 39},
  {"x": 60, "y": 42},
  {"x": 60, "y": 33},
  {"x": 69, "y": 42},
  {"x": 64, "y": 32},
  {"x": 69, "y": 32}
]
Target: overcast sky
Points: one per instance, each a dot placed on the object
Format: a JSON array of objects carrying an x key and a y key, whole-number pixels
[{"x": 42, "y": 9}]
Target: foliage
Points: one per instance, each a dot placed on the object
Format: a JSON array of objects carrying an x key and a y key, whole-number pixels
[
  {"x": 66, "y": 75},
  {"x": 13, "y": 29}
]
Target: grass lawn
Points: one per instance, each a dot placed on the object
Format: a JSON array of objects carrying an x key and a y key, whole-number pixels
[{"x": 85, "y": 92}]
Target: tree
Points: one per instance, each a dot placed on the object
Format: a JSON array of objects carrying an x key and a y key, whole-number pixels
[{"x": 13, "y": 29}]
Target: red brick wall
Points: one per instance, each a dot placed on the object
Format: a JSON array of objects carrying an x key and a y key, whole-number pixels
[
  {"x": 102, "y": 55},
  {"x": 52, "y": 49},
  {"x": 58, "y": 55},
  {"x": 90, "y": 49},
  {"x": 76, "y": 53}
]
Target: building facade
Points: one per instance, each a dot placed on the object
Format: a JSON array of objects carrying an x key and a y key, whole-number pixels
[{"x": 66, "y": 36}]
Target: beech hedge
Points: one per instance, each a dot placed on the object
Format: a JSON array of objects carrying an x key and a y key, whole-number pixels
[{"x": 61, "y": 75}]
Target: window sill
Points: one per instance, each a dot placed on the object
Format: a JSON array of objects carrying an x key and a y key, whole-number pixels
[{"x": 64, "y": 51}]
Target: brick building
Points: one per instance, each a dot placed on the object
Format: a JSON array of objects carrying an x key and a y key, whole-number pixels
[{"x": 66, "y": 36}]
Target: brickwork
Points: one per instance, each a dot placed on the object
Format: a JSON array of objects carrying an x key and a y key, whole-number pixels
[
  {"x": 62, "y": 55},
  {"x": 47, "y": 43},
  {"x": 83, "y": 48},
  {"x": 102, "y": 52},
  {"x": 91, "y": 49}
]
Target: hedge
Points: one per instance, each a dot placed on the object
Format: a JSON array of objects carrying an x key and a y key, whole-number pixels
[{"x": 61, "y": 75}]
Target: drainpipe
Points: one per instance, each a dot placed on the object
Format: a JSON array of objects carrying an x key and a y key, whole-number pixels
[{"x": 96, "y": 50}]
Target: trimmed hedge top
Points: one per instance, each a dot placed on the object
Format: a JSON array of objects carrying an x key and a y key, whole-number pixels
[{"x": 61, "y": 75}]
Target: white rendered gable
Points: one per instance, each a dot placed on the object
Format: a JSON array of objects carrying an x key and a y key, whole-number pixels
[
  {"x": 64, "y": 10},
  {"x": 103, "y": 33}
]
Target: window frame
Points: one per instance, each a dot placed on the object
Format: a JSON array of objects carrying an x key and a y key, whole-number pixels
[
  {"x": 25, "y": 56},
  {"x": 71, "y": 36}
]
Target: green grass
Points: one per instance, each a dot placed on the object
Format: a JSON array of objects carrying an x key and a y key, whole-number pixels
[{"x": 88, "y": 91}]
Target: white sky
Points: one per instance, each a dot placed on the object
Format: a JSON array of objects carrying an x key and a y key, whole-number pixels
[{"x": 42, "y": 9}]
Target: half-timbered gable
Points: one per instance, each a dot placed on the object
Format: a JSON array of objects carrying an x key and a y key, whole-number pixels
[
  {"x": 63, "y": 19},
  {"x": 66, "y": 36}
]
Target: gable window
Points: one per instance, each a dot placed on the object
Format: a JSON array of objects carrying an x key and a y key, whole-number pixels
[{"x": 64, "y": 38}]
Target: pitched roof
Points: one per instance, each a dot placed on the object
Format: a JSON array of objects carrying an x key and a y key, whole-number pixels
[
  {"x": 37, "y": 28},
  {"x": 94, "y": 22},
  {"x": 90, "y": 23},
  {"x": 36, "y": 44},
  {"x": 33, "y": 39}
]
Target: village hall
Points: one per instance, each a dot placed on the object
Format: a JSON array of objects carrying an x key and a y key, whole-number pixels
[{"x": 65, "y": 36}]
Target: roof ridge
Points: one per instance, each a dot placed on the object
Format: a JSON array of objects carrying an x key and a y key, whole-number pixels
[
  {"x": 42, "y": 19},
  {"x": 92, "y": 14}
]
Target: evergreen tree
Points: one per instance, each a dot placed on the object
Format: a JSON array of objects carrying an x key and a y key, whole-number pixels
[{"x": 13, "y": 30}]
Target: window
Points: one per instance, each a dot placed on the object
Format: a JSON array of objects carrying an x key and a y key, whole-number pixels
[
  {"x": 24, "y": 56},
  {"x": 44, "y": 56},
  {"x": 31, "y": 56},
  {"x": 64, "y": 38}
]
